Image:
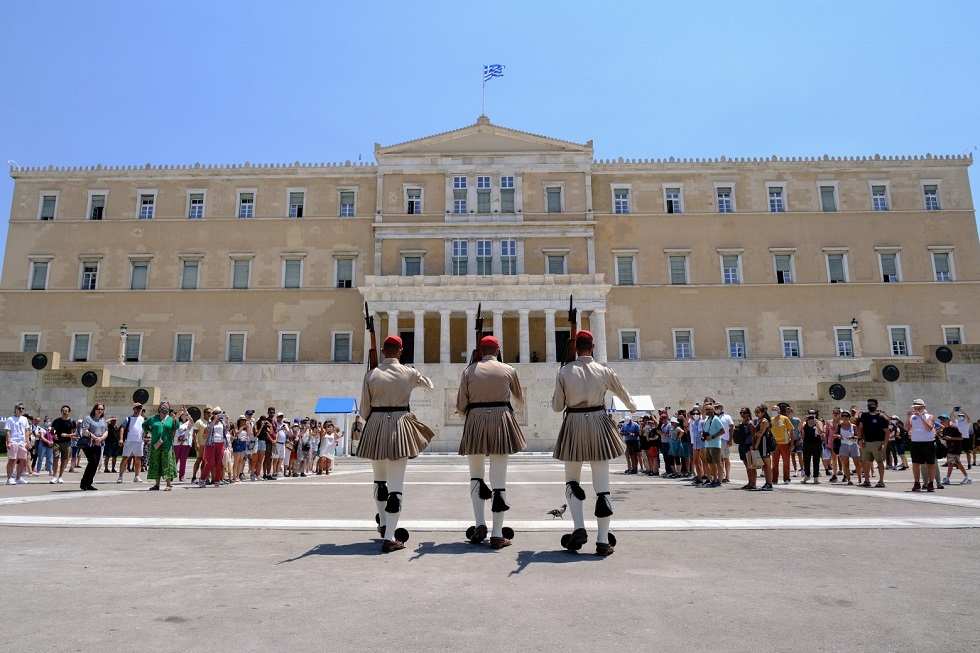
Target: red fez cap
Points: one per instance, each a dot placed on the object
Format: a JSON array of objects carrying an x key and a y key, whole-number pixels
[
  {"x": 584, "y": 334},
  {"x": 392, "y": 340},
  {"x": 489, "y": 341}
]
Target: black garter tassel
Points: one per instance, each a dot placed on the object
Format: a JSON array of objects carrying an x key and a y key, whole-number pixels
[
  {"x": 576, "y": 490},
  {"x": 602, "y": 508},
  {"x": 380, "y": 491},
  {"x": 484, "y": 489},
  {"x": 394, "y": 502},
  {"x": 499, "y": 505}
]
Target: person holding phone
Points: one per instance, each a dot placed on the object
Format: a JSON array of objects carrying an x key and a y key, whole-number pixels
[
  {"x": 922, "y": 431},
  {"x": 214, "y": 449}
]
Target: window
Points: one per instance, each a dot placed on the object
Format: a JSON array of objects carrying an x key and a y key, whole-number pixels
[
  {"x": 341, "y": 348},
  {"x": 459, "y": 194},
  {"x": 147, "y": 205},
  {"x": 413, "y": 198},
  {"x": 139, "y": 275},
  {"x": 899, "y": 336},
  {"x": 784, "y": 268},
  {"x": 345, "y": 272},
  {"x": 288, "y": 347},
  {"x": 184, "y": 348},
  {"x": 80, "y": 346},
  {"x": 553, "y": 195},
  {"x": 845, "y": 341},
  {"x": 347, "y": 198},
  {"x": 678, "y": 270},
  {"x": 292, "y": 273},
  {"x": 828, "y": 198},
  {"x": 736, "y": 343},
  {"x": 235, "y": 347},
  {"x": 942, "y": 266},
  {"x": 297, "y": 202},
  {"x": 791, "y": 343},
  {"x": 889, "y": 266},
  {"x": 837, "y": 268},
  {"x": 776, "y": 201},
  {"x": 412, "y": 266},
  {"x": 724, "y": 196},
  {"x": 625, "y": 270},
  {"x": 459, "y": 258},
  {"x": 483, "y": 194},
  {"x": 31, "y": 342},
  {"x": 683, "y": 343},
  {"x": 246, "y": 205},
  {"x": 621, "y": 201},
  {"x": 672, "y": 200},
  {"x": 628, "y": 345},
  {"x": 39, "y": 275},
  {"x": 879, "y": 199},
  {"x": 195, "y": 206},
  {"x": 507, "y": 195},
  {"x": 555, "y": 264},
  {"x": 241, "y": 270},
  {"x": 730, "y": 264},
  {"x": 484, "y": 257},
  {"x": 189, "y": 274},
  {"x": 134, "y": 347},
  {"x": 90, "y": 275},
  {"x": 930, "y": 195},
  {"x": 508, "y": 257},
  {"x": 96, "y": 208},
  {"x": 952, "y": 335},
  {"x": 48, "y": 205}
]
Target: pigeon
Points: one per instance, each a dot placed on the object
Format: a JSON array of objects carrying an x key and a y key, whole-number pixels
[{"x": 558, "y": 512}]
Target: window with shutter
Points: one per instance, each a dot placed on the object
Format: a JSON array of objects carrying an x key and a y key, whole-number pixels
[
  {"x": 784, "y": 268},
  {"x": 90, "y": 276},
  {"x": 48, "y": 204},
  {"x": 185, "y": 348},
  {"x": 236, "y": 347},
  {"x": 624, "y": 270},
  {"x": 889, "y": 268},
  {"x": 292, "y": 273},
  {"x": 79, "y": 349},
  {"x": 628, "y": 346},
  {"x": 140, "y": 274},
  {"x": 672, "y": 197},
  {"x": 879, "y": 201},
  {"x": 240, "y": 274},
  {"x": 98, "y": 207},
  {"x": 683, "y": 347},
  {"x": 556, "y": 264},
  {"x": 347, "y": 204},
  {"x": 414, "y": 197},
  {"x": 413, "y": 266},
  {"x": 845, "y": 342},
  {"x": 147, "y": 204},
  {"x": 940, "y": 261},
  {"x": 776, "y": 200},
  {"x": 900, "y": 341},
  {"x": 725, "y": 204},
  {"x": 835, "y": 267},
  {"x": 134, "y": 344},
  {"x": 736, "y": 343},
  {"x": 791, "y": 343},
  {"x": 678, "y": 270},
  {"x": 459, "y": 258},
  {"x": 195, "y": 210},
  {"x": 297, "y": 201},
  {"x": 345, "y": 273},
  {"x": 828, "y": 199},
  {"x": 484, "y": 257},
  {"x": 31, "y": 342},
  {"x": 953, "y": 336},
  {"x": 39, "y": 275},
  {"x": 188, "y": 275},
  {"x": 508, "y": 257},
  {"x": 729, "y": 270},
  {"x": 554, "y": 199},
  {"x": 246, "y": 205},
  {"x": 341, "y": 347},
  {"x": 288, "y": 347},
  {"x": 930, "y": 195}
]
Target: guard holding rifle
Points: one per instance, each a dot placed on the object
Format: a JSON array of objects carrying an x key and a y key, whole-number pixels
[
  {"x": 587, "y": 434},
  {"x": 392, "y": 434}
]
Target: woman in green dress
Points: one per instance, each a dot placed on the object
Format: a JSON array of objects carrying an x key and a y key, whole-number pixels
[{"x": 163, "y": 463}]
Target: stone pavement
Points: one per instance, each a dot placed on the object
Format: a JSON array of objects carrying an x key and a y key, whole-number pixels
[{"x": 295, "y": 564}]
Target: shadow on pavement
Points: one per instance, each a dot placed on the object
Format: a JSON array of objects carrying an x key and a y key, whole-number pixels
[
  {"x": 448, "y": 548},
  {"x": 525, "y": 558},
  {"x": 372, "y": 548}
]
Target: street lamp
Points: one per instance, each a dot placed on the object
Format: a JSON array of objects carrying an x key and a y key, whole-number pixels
[
  {"x": 122, "y": 343},
  {"x": 854, "y": 324}
]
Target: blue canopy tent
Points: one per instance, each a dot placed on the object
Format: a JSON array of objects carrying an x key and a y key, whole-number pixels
[{"x": 341, "y": 408}]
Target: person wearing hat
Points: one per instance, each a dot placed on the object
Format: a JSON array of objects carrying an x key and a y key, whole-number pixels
[
  {"x": 214, "y": 449},
  {"x": 17, "y": 426},
  {"x": 487, "y": 391},
  {"x": 588, "y": 434},
  {"x": 921, "y": 427},
  {"x": 392, "y": 435}
]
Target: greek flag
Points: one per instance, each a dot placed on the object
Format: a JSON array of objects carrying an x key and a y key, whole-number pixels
[{"x": 493, "y": 70}]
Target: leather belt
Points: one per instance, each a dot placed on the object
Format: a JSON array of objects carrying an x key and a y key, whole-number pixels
[
  {"x": 390, "y": 409},
  {"x": 585, "y": 409},
  {"x": 489, "y": 404}
]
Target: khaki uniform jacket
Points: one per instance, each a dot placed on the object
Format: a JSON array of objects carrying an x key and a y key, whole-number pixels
[
  {"x": 489, "y": 380},
  {"x": 584, "y": 382},
  {"x": 390, "y": 384}
]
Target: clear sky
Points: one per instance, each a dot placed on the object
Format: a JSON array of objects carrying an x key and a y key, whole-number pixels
[{"x": 124, "y": 82}]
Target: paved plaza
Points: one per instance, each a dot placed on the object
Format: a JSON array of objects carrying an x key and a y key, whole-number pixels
[{"x": 295, "y": 565}]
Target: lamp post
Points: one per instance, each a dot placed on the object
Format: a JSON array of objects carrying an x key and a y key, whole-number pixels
[
  {"x": 122, "y": 344},
  {"x": 856, "y": 329}
]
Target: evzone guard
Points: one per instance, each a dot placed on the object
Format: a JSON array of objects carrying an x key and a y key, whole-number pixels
[{"x": 488, "y": 391}]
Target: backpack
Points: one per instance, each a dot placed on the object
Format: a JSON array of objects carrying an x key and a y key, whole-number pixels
[{"x": 740, "y": 434}]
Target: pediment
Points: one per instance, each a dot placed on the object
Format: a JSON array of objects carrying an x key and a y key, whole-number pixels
[{"x": 482, "y": 138}]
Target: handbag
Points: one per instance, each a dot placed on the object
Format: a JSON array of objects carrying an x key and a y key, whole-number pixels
[
  {"x": 753, "y": 459},
  {"x": 941, "y": 449},
  {"x": 825, "y": 454}
]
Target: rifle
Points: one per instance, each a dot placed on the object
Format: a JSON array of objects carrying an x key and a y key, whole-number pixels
[
  {"x": 570, "y": 351},
  {"x": 369, "y": 325},
  {"x": 477, "y": 354}
]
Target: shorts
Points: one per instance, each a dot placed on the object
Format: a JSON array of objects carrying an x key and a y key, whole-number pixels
[
  {"x": 712, "y": 455},
  {"x": 280, "y": 450},
  {"x": 133, "y": 449},
  {"x": 653, "y": 450},
  {"x": 849, "y": 449},
  {"x": 239, "y": 446},
  {"x": 837, "y": 446},
  {"x": 632, "y": 447},
  {"x": 726, "y": 450},
  {"x": 872, "y": 452},
  {"x": 798, "y": 447},
  {"x": 260, "y": 445},
  {"x": 952, "y": 458},
  {"x": 923, "y": 453},
  {"x": 17, "y": 451},
  {"x": 62, "y": 449}
]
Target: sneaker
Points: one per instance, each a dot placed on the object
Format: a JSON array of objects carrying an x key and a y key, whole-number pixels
[
  {"x": 786, "y": 481},
  {"x": 816, "y": 481},
  {"x": 61, "y": 480},
  {"x": 939, "y": 487},
  {"x": 767, "y": 487},
  {"x": 966, "y": 480},
  {"x": 22, "y": 481},
  {"x": 11, "y": 481},
  {"x": 946, "y": 481},
  {"x": 833, "y": 479},
  {"x": 806, "y": 479},
  {"x": 137, "y": 480},
  {"x": 119, "y": 480}
]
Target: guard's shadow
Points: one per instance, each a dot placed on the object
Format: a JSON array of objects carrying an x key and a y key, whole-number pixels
[
  {"x": 448, "y": 548},
  {"x": 329, "y": 549},
  {"x": 525, "y": 558}
]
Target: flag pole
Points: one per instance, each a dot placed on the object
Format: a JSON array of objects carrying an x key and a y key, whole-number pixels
[{"x": 483, "y": 105}]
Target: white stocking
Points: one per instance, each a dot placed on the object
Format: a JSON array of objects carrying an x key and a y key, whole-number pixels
[
  {"x": 477, "y": 470},
  {"x": 396, "y": 481},
  {"x": 573, "y": 472},
  {"x": 498, "y": 481},
  {"x": 600, "y": 482},
  {"x": 380, "y": 468}
]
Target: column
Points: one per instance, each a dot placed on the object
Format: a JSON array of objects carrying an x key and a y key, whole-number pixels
[
  {"x": 597, "y": 320},
  {"x": 549, "y": 336},
  {"x": 419, "y": 337},
  {"x": 444, "y": 336},
  {"x": 525, "y": 334},
  {"x": 590, "y": 246},
  {"x": 498, "y": 326},
  {"x": 392, "y": 322}
]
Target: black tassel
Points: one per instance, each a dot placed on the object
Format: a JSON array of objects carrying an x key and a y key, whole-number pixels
[
  {"x": 483, "y": 488},
  {"x": 602, "y": 507},
  {"x": 499, "y": 505},
  {"x": 380, "y": 491},
  {"x": 394, "y": 502},
  {"x": 576, "y": 490}
]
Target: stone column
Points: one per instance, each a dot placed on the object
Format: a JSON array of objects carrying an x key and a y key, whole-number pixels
[
  {"x": 597, "y": 320},
  {"x": 444, "y": 336},
  {"x": 498, "y": 326},
  {"x": 549, "y": 327},
  {"x": 392, "y": 322},
  {"x": 470, "y": 331},
  {"x": 525, "y": 334},
  {"x": 419, "y": 337}
]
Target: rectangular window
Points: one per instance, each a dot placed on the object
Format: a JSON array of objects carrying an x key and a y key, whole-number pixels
[
  {"x": 828, "y": 199},
  {"x": 725, "y": 204},
  {"x": 90, "y": 275},
  {"x": 776, "y": 204},
  {"x": 879, "y": 199},
  {"x": 139, "y": 275},
  {"x": 134, "y": 346},
  {"x": 246, "y": 205},
  {"x": 889, "y": 267},
  {"x": 97, "y": 209},
  {"x": 678, "y": 270},
  {"x": 184, "y": 348},
  {"x": 241, "y": 270},
  {"x": 288, "y": 347},
  {"x": 624, "y": 270},
  {"x": 672, "y": 197},
  {"x": 621, "y": 201},
  {"x": 459, "y": 182},
  {"x": 39, "y": 275},
  {"x": 189, "y": 274},
  {"x": 507, "y": 195},
  {"x": 845, "y": 342},
  {"x": 791, "y": 343},
  {"x": 195, "y": 209},
  {"x": 413, "y": 198},
  {"x": 297, "y": 202},
  {"x": 459, "y": 200},
  {"x": 235, "y": 348},
  {"x": 941, "y": 263},
  {"x": 554, "y": 199},
  {"x": 900, "y": 340},
  {"x": 459, "y": 257},
  {"x": 292, "y": 273},
  {"x": 484, "y": 257},
  {"x": 79, "y": 347},
  {"x": 784, "y": 268},
  {"x": 345, "y": 273},
  {"x": 930, "y": 195},
  {"x": 48, "y": 205},
  {"x": 836, "y": 268},
  {"x": 556, "y": 264},
  {"x": 508, "y": 257},
  {"x": 147, "y": 204},
  {"x": 347, "y": 203},
  {"x": 683, "y": 344},
  {"x": 729, "y": 270},
  {"x": 628, "y": 347},
  {"x": 341, "y": 347},
  {"x": 483, "y": 194},
  {"x": 31, "y": 342},
  {"x": 413, "y": 266},
  {"x": 953, "y": 335},
  {"x": 736, "y": 343}
]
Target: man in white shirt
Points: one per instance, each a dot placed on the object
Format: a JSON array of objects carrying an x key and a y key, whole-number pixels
[
  {"x": 17, "y": 427},
  {"x": 726, "y": 438},
  {"x": 962, "y": 421},
  {"x": 131, "y": 438},
  {"x": 279, "y": 454}
]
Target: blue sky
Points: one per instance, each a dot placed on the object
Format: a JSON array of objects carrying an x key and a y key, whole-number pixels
[{"x": 129, "y": 82}]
